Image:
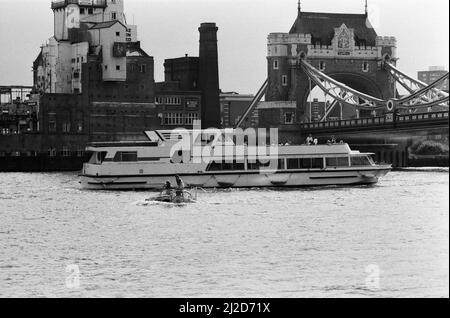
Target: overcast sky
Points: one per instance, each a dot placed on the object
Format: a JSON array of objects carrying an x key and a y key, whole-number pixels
[{"x": 169, "y": 28}]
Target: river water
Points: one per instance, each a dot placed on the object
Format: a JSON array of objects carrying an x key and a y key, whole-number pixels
[{"x": 388, "y": 240}]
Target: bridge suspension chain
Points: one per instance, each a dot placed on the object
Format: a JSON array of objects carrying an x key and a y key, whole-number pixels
[
  {"x": 341, "y": 92},
  {"x": 421, "y": 94}
]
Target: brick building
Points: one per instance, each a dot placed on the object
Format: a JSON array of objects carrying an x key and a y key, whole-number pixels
[
  {"x": 232, "y": 106},
  {"x": 96, "y": 83},
  {"x": 433, "y": 74},
  {"x": 178, "y": 98}
]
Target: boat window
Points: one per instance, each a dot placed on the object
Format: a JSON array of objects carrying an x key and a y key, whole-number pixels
[
  {"x": 152, "y": 136},
  {"x": 253, "y": 165},
  {"x": 360, "y": 161},
  {"x": 226, "y": 166},
  {"x": 293, "y": 163},
  {"x": 98, "y": 158},
  {"x": 266, "y": 164},
  {"x": 281, "y": 165},
  {"x": 337, "y": 162},
  {"x": 305, "y": 163},
  {"x": 238, "y": 165},
  {"x": 126, "y": 157},
  {"x": 214, "y": 166},
  {"x": 317, "y": 163}
]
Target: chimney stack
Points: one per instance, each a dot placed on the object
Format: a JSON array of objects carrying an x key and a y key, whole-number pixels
[{"x": 209, "y": 76}]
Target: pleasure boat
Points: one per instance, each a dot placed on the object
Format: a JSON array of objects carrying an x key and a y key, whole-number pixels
[{"x": 213, "y": 159}]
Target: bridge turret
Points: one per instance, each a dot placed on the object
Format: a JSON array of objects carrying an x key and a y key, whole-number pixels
[
  {"x": 387, "y": 46},
  {"x": 344, "y": 46}
]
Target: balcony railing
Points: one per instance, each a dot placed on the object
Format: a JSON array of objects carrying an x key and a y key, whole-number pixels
[
  {"x": 377, "y": 121},
  {"x": 86, "y": 3}
]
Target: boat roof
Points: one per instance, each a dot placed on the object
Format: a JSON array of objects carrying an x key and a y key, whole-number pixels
[{"x": 158, "y": 137}]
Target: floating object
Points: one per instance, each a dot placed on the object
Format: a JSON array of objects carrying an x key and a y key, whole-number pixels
[
  {"x": 186, "y": 198},
  {"x": 148, "y": 165}
]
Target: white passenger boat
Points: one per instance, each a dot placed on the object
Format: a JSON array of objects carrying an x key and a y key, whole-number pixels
[{"x": 149, "y": 164}]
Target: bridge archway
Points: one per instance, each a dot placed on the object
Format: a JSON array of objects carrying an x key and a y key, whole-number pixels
[{"x": 358, "y": 82}]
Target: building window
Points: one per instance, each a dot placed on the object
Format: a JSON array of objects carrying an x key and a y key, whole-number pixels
[
  {"x": 190, "y": 118},
  {"x": 80, "y": 153},
  {"x": 106, "y": 67},
  {"x": 173, "y": 119},
  {"x": 322, "y": 66},
  {"x": 173, "y": 101},
  {"x": 52, "y": 126},
  {"x": 82, "y": 10},
  {"x": 114, "y": 16},
  {"x": 289, "y": 118},
  {"x": 117, "y": 33},
  {"x": 66, "y": 152},
  {"x": 365, "y": 67},
  {"x": 143, "y": 68},
  {"x": 284, "y": 80},
  {"x": 159, "y": 100},
  {"x": 79, "y": 127},
  {"x": 275, "y": 65},
  {"x": 117, "y": 67},
  {"x": 52, "y": 152},
  {"x": 66, "y": 127},
  {"x": 90, "y": 11}
]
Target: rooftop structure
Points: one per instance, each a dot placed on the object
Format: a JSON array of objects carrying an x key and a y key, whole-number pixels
[{"x": 84, "y": 30}]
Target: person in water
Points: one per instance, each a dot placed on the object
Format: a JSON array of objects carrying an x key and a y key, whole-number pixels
[
  {"x": 180, "y": 187},
  {"x": 168, "y": 190}
]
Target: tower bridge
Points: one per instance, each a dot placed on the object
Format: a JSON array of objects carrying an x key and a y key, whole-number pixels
[{"x": 342, "y": 58}]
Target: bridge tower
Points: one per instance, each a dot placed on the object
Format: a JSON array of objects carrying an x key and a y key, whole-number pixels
[{"x": 343, "y": 46}]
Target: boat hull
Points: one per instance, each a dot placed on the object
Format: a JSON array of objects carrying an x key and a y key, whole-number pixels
[{"x": 241, "y": 180}]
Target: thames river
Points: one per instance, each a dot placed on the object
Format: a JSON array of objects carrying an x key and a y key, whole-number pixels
[{"x": 387, "y": 240}]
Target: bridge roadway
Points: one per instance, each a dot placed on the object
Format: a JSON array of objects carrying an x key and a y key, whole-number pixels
[
  {"x": 409, "y": 122},
  {"x": 389, "y": 139}
]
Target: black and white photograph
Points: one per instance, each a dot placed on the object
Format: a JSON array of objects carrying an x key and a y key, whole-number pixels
[{"x": 197, "y": 150}]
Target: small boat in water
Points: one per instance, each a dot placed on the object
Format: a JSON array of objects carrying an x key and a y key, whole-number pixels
[
  {"x": 172, "y": 198},
  {"x": 149, "y": 164}
]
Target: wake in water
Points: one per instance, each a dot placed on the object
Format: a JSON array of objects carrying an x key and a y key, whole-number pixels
[{"x": 149, "y": 202}]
